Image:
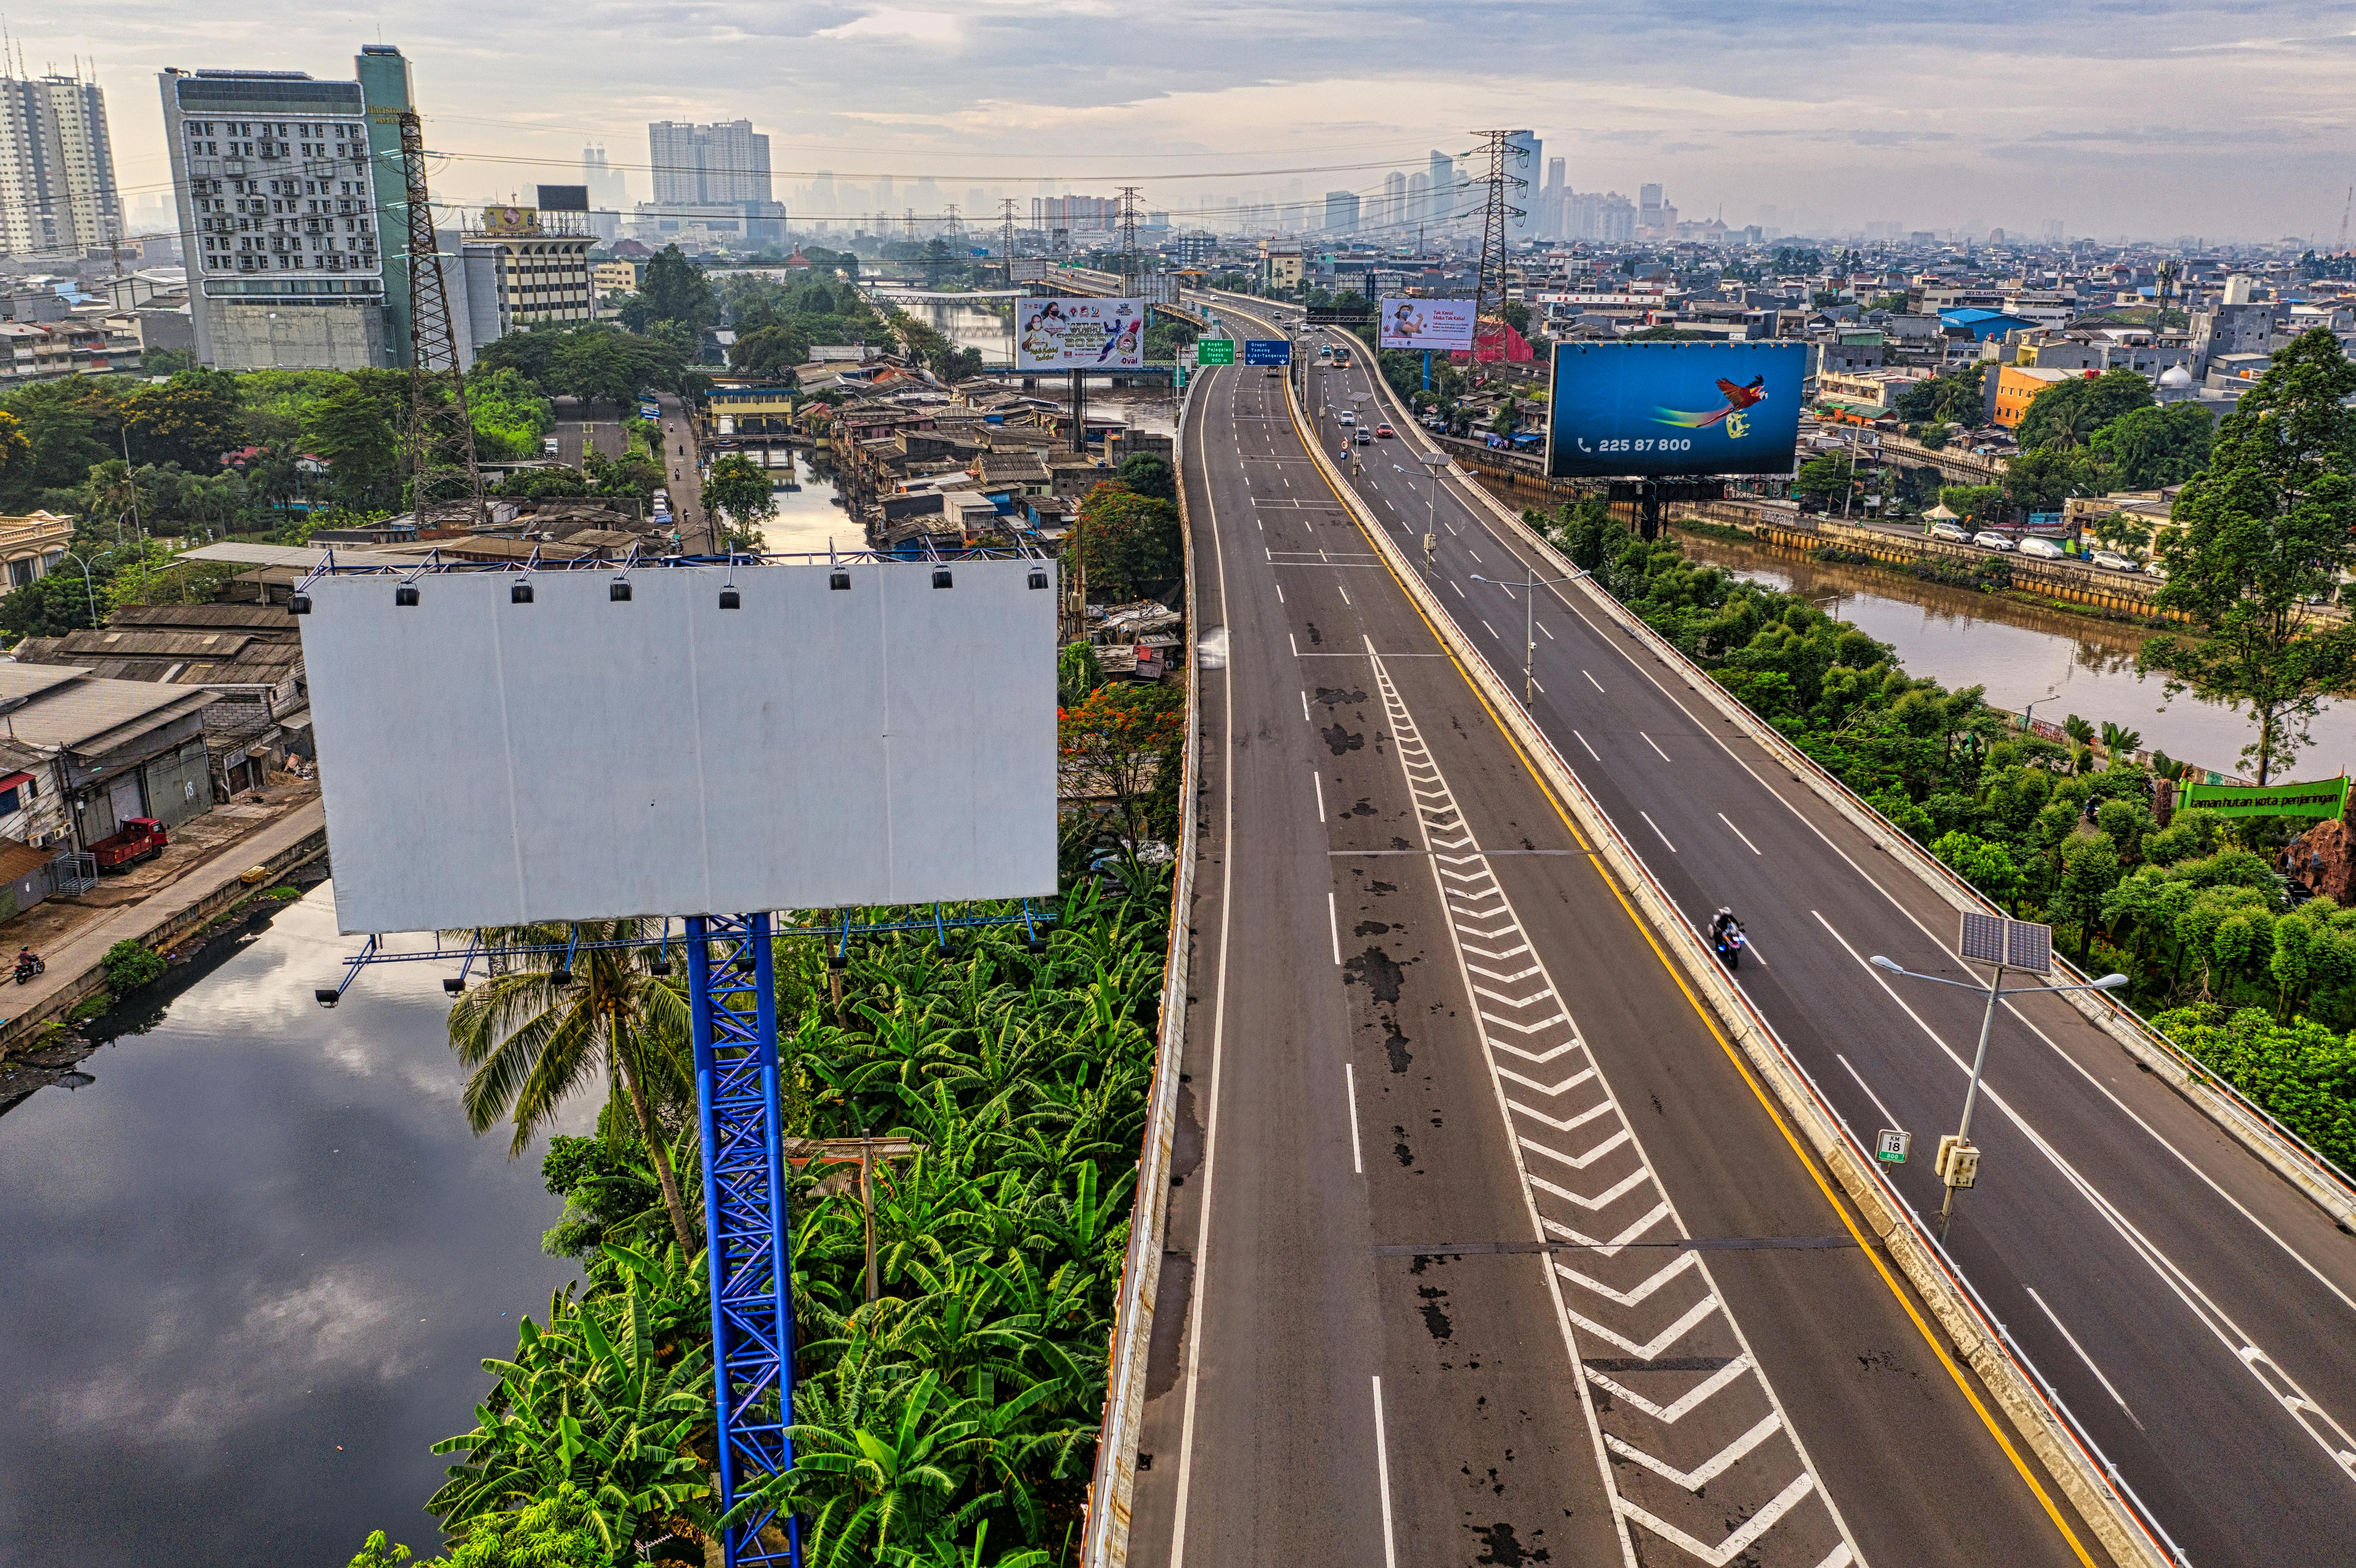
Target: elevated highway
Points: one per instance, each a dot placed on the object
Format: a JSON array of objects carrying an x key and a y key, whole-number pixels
[
  {"x": 2189, "y": 1307},
  {"x": 1484, "y": 1245}
]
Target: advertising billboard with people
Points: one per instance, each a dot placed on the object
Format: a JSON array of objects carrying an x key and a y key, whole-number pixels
[
  {"x": 1446, "y": 325},
  {"x": 1079, "y": 335},
  {"x": 1643, "y": 409}
]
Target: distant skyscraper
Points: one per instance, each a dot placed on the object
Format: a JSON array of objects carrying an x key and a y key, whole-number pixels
[
  {"x": 1551, "y": 199},
  {"x": 724, "y": 164},
  {"x": 609, "y": 195},
  {"x": 1418, "y": 202},
  {"x": 1341, "y": 212},
  {"x": 1443, "y": 187},
  {"x": 57, "y": 167},
  {"x": 1521, "y": 163},
  {"x": 1394, "y": 214}
]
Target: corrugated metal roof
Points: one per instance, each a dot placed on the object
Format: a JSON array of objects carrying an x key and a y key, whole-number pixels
[{"x": 66, "y": 708}]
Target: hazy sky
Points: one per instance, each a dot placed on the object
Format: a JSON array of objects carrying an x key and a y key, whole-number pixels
[{"x": 2150, "y": 118}]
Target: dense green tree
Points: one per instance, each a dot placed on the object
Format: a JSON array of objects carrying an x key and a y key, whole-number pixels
[
  {"x": 673, "y": 291},
  {"x": 68, "y": 424},
  {"x": 2041, "y": 479},
  {"x": 2147, "y": 448},
  {"x": 2067, "y": 413},
  {"x": 2268, "y": 526},
  {"x": 771, "y": 351},
  {"x": 1125, "y": 542},
  {"x": 1953, "y": 399},
  {"x": 190, "y": 420},
  {"x": 1149, "y": 475},
  {"x": 1827, "y": 476},
  {"x": 350, "y": 429},
  {"x": 740, "y": 490}
]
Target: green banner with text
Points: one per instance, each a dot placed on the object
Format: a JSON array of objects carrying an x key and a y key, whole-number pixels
[
  {"x": 2326, "y": 799},
  {"x": 1215, "y": 351}
]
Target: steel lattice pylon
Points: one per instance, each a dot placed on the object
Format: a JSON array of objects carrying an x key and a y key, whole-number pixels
[
  {"x": 733, "y": 1015},
  {"x": 440, "y": 432},
  {"x": 1497, "y": 214}
]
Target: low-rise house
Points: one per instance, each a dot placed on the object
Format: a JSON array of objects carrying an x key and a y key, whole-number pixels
[
  {"x": 249, "y": 656},
  {"x": 117, "y": 749}
]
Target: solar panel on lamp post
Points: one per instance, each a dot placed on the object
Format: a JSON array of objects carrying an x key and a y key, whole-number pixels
[{"x": 2003, "y": 943}]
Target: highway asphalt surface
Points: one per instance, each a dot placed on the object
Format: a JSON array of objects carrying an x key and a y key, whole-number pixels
[
  {"x": 2194, "y": 1312},
  {"x": 1484, "y": 1247}
]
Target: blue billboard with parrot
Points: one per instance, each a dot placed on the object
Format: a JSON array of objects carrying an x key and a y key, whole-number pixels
[{"x": 1643, "y": 409}]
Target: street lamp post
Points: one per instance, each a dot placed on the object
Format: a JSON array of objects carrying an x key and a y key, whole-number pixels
[
  {"x": 1958, "y": 1160},
  {"x": 88, "y": 592},
  {"x": 1531, "y": 583}
]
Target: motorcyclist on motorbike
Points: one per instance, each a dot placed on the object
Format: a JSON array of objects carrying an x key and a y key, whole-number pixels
[
  {"x": 28, "y": 964},
  {"x": 1726, "y": 937}
]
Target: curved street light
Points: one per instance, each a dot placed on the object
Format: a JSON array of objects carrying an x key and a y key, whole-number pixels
[{"x": 89, "y": 592}]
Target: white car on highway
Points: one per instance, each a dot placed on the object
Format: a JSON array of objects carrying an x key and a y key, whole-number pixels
[
  {"x": 1346, "y": 417},
  {"x": 1949, "y": 532},
  {"x": 2043, "y": 549},
  {"x": 2111, "y": 560},
  {"x": 1990, "y": 539}
]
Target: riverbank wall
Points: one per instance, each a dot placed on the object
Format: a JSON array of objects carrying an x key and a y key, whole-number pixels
[{"x": 173, "y": 919}]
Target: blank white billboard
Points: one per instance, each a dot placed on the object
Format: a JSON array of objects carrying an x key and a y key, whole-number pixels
[{"x": 486, "y": 762}]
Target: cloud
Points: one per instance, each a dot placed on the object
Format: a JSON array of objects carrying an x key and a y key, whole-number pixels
[{"x": 937, "y": 29}]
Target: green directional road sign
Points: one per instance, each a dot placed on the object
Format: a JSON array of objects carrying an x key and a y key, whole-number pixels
[{"x": 1214, "y": 350}]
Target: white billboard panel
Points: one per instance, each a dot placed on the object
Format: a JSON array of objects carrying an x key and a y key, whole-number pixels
[
  {"x": 488, "y": 763},
  {"x": 1079, "y": 335},
  {"x": 1409, "y": 322},
  {"x": 1026, "y": 269}
]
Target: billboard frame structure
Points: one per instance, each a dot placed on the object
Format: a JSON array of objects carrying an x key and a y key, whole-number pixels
[{"x": 732, "y": 1025}]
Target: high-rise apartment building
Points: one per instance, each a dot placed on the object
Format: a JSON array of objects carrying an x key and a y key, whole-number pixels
[
  {"x": 1393, "y": 215},
  {"x": 277, "y": 185},
  {"x": 1443, "y": 187},
  {"x": 721, "y": 164},
  {"x": 1341, "y": 212},
  {"x": 57, "y": 167},
  {"x": 1551, "y": 200}
]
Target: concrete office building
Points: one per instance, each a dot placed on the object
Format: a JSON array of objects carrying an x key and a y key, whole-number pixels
[
  {"x": 1341, "y": 212},
  {"x": 280, "y": 221},
  {"x": 57, "y": 167},
  {"x": 386, "y": 89}
]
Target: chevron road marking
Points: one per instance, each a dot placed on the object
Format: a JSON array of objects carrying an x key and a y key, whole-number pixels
[{"x": 1758, "y": 1473}]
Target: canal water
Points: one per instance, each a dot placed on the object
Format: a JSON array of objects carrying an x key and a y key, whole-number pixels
[
  {"x": 251, "y": 1269},
  {"x": 2020, "y": 652}
]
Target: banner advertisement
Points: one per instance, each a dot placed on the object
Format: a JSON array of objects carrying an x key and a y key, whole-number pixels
[
  {"x": 2324, "y": 799},
  {"x": 1079, "y": 335},
  {"x": 1645, "y": 409},
  {"x": 1427, "y": 324}
]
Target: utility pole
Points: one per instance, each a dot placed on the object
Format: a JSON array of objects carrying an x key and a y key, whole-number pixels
[
  {"x": 1496, "y": 217},
  {"x": 1530, "y": 585},
  {"x": 440, "y": 432},
  {"x": 1006, "y": 236}
]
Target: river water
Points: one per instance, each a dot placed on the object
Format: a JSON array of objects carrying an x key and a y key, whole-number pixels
[
  {"x": 251, "y": 1271},
  {"x": 2019, "y": 652}
]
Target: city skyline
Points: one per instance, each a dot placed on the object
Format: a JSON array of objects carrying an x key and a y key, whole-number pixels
[{"x": 2226, "y": 125}]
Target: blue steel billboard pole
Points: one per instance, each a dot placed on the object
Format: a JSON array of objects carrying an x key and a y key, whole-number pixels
[{"x": 733, "y": 1019}]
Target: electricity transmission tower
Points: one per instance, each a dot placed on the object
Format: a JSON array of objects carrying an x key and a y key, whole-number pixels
[
  {"x": 1496, "y": 217},
  {"x": 440, "y": 432},
  {"x": 1006, "y": 229},
  {"x": 1129, "y": 239},
  {"x": 953, "y": 226}
]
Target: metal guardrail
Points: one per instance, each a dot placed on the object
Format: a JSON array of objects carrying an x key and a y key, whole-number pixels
[{"x": 1114, "y": 1481}]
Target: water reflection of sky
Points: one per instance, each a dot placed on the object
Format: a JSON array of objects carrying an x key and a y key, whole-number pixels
[
  {"x": 252, "y": 1272},
  {"x": 2019, "y": 653}
]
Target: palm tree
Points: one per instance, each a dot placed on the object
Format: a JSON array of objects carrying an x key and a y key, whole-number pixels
[
  {"x": 535, "y": 1035},
  {"x": 2069, "y": 425}
]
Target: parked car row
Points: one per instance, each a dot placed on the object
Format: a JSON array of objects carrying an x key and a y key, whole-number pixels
[{"x": 2042, "y": 548}]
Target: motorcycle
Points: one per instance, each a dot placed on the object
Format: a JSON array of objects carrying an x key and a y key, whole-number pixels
[
  {"x": 1728, "y": 942},
  {"x": 27, "y": 965}
]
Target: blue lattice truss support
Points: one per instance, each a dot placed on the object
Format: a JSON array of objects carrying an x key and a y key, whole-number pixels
[{"x": 733, "y": 1012}]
